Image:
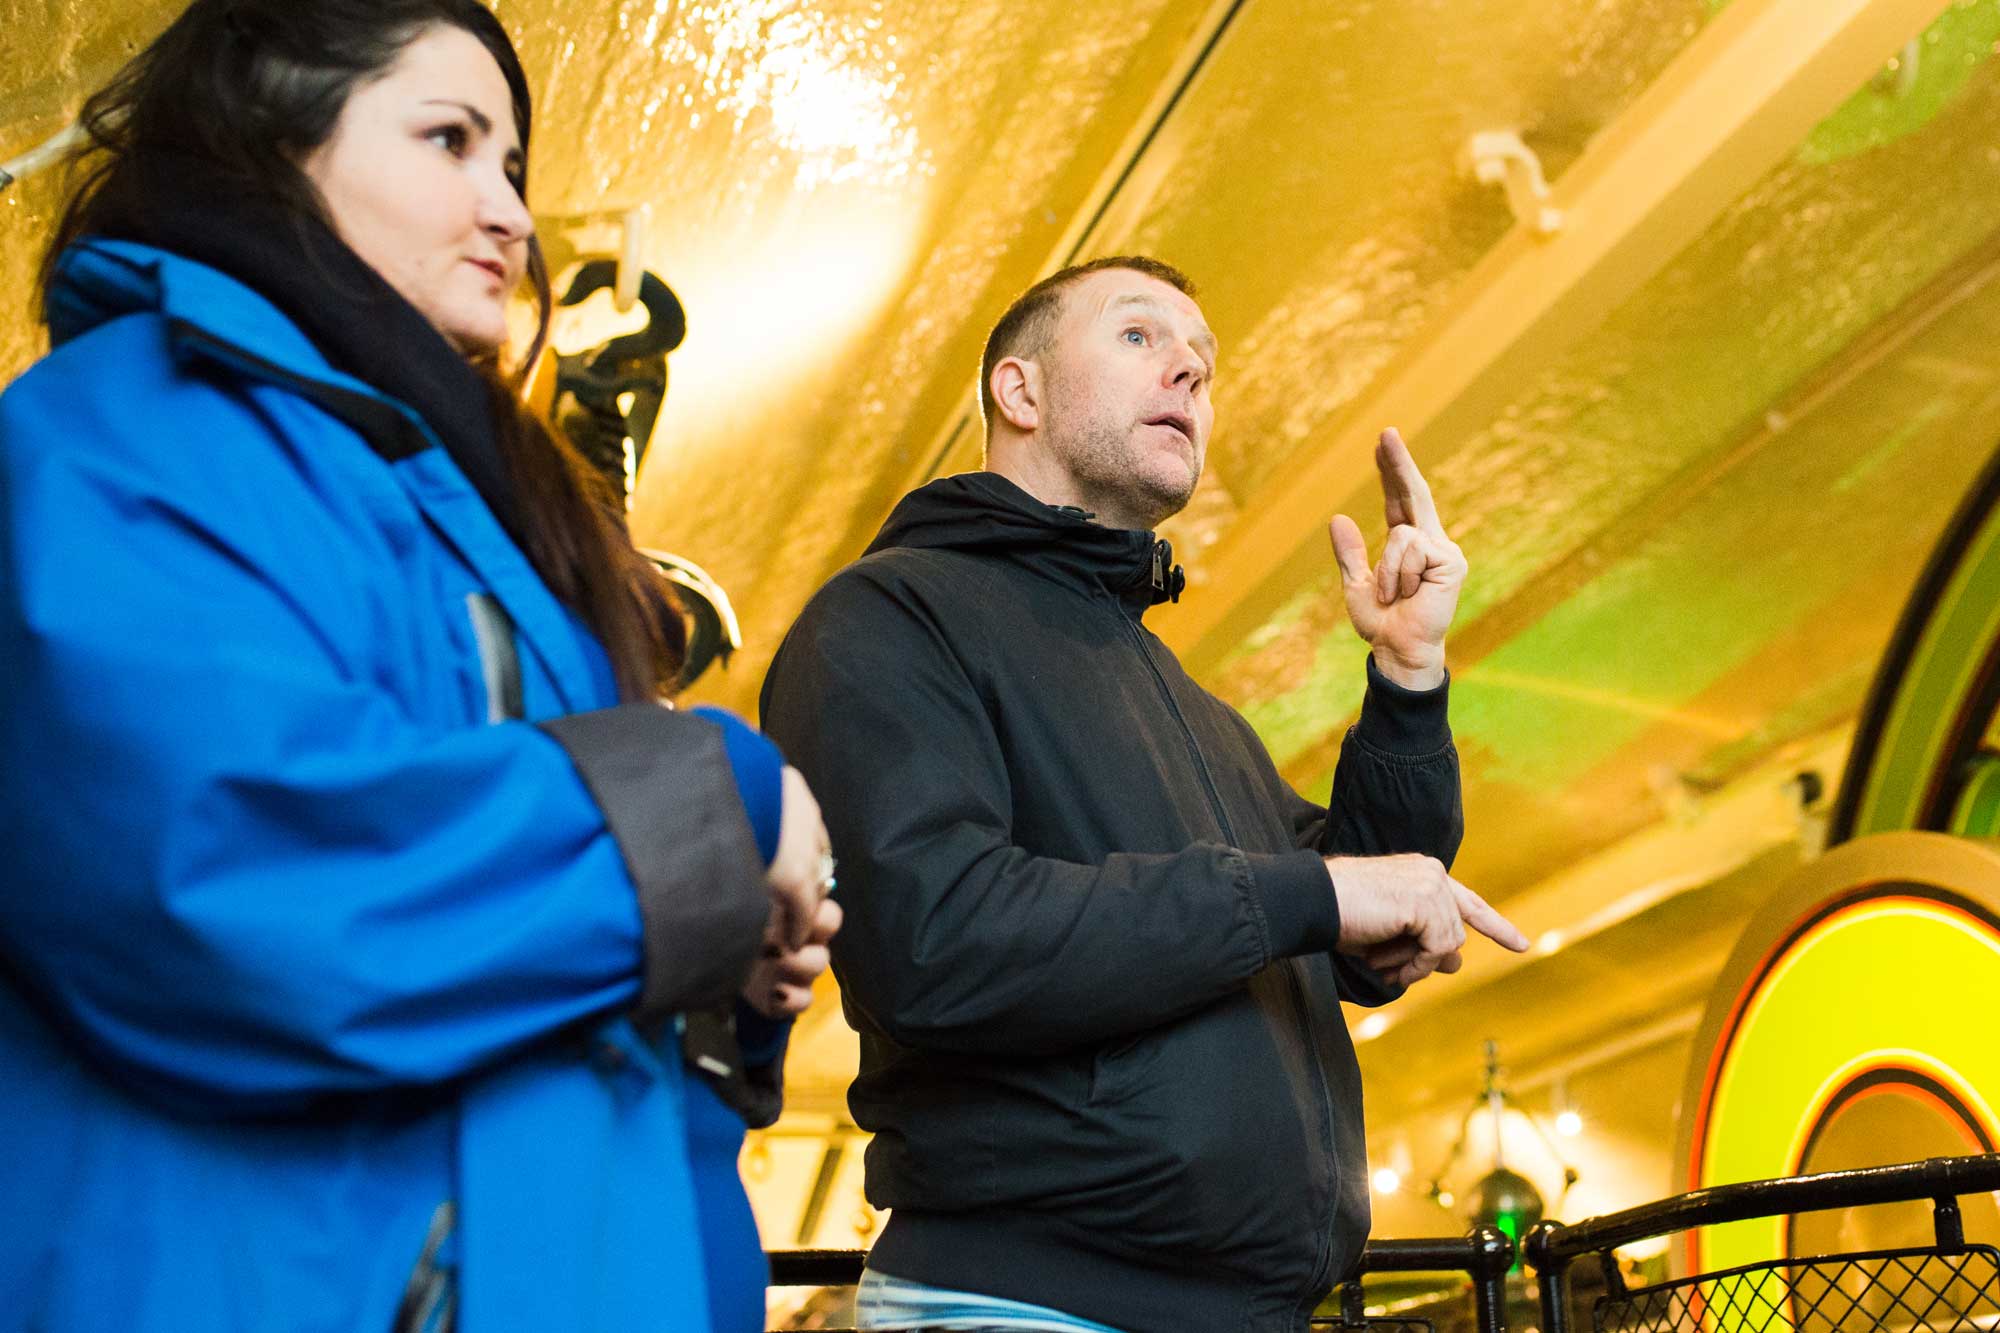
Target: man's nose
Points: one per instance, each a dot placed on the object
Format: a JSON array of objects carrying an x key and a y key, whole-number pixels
[{"x": 1186, "y": 367}]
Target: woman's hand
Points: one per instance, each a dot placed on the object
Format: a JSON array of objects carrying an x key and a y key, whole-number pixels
[
  {"x": 803, "y": 918},
  {"x": 781, "y": 980},
  {"x": 801, "y": 874}
]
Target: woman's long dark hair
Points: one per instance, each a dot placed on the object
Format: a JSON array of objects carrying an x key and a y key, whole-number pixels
[{"x": 248, "y": 88}]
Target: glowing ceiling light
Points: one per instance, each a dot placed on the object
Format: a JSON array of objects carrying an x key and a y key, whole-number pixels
[
  {"x": 1371, "y": 1027},
  {"x": 820, "y": 88},
  {"x": 1569, "y": 1124},
  {"x": 1387, "y": 1181}
]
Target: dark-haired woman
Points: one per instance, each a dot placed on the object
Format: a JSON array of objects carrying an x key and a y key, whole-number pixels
[{"x": 375, "y": 951}]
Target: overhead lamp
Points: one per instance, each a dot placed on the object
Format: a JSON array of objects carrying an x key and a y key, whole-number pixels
[{"x": 1502, "y": 1197}]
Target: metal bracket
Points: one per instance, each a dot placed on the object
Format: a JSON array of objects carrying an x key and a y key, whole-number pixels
[
  {"x": 1950, "y": 1224},
  {"x": 1499, "y": 157},
  {"x": 47, "y": 153}
]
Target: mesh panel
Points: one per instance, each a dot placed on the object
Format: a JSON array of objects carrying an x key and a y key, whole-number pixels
[{"x": 1899, "y": 1291}]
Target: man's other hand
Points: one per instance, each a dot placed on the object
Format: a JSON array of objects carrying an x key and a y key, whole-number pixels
[
  {"x": 1405, "y": 916},
  {"x": 1403, "y": 604}
]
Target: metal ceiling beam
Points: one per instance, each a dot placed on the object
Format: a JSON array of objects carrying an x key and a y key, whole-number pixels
[{"x": 1741, "y": 97}]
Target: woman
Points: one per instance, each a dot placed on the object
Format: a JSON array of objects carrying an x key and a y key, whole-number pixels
[{"x": 365, "y": 919}]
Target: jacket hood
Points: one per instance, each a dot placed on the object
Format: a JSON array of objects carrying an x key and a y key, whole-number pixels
[
  {"x": 983, "y": 511},
  {"x": 98, "y": 280}
]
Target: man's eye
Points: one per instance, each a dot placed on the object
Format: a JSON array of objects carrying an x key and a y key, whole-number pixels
[{"x": 1137, "y": 337}]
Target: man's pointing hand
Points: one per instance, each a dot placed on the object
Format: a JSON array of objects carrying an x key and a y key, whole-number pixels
[{"x": 1406, "y": 917}]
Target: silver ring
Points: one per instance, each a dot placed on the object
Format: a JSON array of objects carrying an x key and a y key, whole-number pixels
[{"x": 827, "y": 882}]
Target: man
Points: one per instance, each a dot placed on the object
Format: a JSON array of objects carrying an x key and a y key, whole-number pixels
[{"x": 1094, "y": 945}]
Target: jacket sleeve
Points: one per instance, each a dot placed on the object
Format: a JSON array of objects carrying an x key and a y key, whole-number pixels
[
  {"x": 241, "y": 875},
  {"x": 955, "y": 938},
  {"x": 1395, "y": 790}
]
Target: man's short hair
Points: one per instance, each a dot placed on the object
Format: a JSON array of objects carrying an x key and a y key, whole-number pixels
[{"x": 1030, "y": 323}]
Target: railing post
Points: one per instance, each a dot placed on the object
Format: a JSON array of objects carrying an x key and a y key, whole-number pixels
[
  {"x": 1353, "y": 1305},
  {"x": 1492, "y": 1257},
  {"x": 1551, "y": 1278}
]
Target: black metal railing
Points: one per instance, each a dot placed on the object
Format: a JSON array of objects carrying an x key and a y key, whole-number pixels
[
  {"x": 1949, "y": 1286},
  {"x": 1484, "y": 1255},
  {"x": 1946, "y": 1287}
]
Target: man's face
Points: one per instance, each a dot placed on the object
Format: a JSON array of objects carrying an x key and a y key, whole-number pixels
[{"x": 1126, "y": 389}]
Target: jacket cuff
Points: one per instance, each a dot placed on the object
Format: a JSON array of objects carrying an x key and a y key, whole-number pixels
[
  {"x": 662, "y": 781},
  {"x": 762, "y": 1040},
  {"x": 1413, "y": 723},
  {"x": 1295, "y": 898}
]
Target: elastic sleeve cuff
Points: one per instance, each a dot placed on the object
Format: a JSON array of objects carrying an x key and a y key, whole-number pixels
[
  {"x": 1295, "y": 897},
  {"x": 662, "y": 781},
  {"x": 762, "y": 1040},
  {"x": 1401, "y": 721}
]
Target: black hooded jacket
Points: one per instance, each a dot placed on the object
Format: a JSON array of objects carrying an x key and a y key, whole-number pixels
[{"x": 1088, "y": 935}]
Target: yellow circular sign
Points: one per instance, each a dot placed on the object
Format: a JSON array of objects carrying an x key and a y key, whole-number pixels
[{"x": 1887, "y": 968}]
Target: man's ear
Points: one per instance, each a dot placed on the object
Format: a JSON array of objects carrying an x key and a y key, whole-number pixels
[{"x": 1016, "y": 387}]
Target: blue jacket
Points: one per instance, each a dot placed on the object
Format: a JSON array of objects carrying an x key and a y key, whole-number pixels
[{"x": 320, "y": 975}]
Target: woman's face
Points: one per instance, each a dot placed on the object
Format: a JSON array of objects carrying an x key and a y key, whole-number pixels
[{"x": 421, "y": 178}]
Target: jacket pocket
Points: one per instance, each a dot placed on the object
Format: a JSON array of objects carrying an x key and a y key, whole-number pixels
[
  {"x": 1205, "y": 1150},
  {"x": 1118, "y": 1068}
]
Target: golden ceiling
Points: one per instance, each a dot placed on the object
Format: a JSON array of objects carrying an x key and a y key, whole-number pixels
[{"x": 1695, "y": 416}]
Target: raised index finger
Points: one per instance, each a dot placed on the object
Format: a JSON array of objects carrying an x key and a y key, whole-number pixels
[
  {"x": 1406, "y": 496},
  {"x": 1475, "y": 912}
]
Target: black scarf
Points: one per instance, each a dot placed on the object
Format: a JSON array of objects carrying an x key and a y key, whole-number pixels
[{"x": 359, "y": 323}]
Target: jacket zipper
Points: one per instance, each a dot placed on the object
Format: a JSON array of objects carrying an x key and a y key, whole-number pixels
[{"x": 1322, "y": 1245}]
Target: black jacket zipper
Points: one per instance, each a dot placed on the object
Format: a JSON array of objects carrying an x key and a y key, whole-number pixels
[{"x": 1322, "y": 1244}]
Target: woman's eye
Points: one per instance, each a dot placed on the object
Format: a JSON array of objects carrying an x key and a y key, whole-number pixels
[{"x": 451, "y": 138}]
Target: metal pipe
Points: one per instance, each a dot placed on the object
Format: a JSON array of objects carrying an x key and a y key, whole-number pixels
[
  {"x": 1485, "y": 1253},
  {"x": 1943, "y": 1177},
  {"x": 816, "y": 1268}
]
